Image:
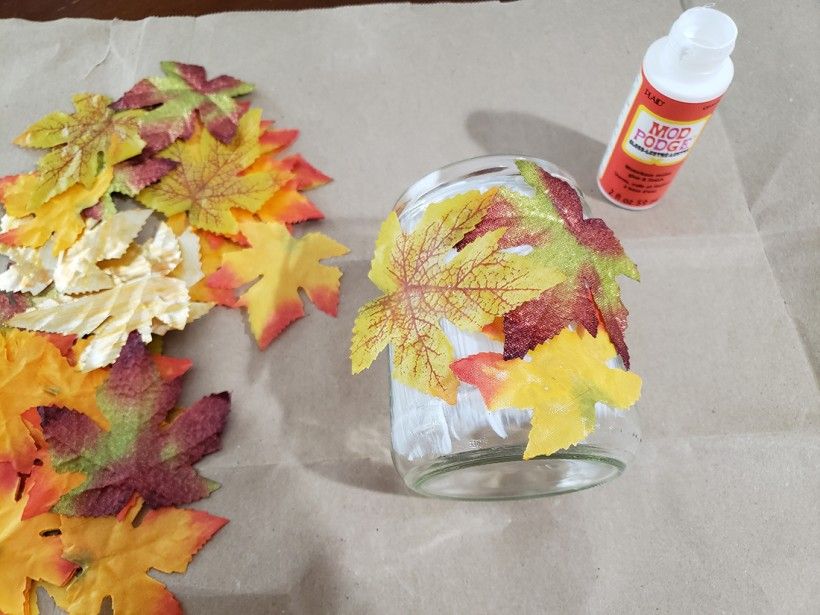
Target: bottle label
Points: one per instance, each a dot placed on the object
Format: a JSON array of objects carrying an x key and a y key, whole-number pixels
[
  {"x": 654, "y": 136},
  {"x": 653, "y": 139}
]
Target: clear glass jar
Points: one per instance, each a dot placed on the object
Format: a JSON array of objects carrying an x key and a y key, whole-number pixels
[{"x": 465, "y": 451}]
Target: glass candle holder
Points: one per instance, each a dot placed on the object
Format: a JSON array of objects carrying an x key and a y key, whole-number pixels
[{"x": 465, "y": 451}]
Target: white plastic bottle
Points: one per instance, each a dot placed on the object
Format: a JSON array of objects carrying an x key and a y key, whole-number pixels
[{"x": 683, "y": 77}]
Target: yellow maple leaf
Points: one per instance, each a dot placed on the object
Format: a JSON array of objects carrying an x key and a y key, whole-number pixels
[
  {"x": 280, "y": 265},
  {"x": 86, "y": 141},
  {"x": 115, "y": 558},
  {"x": 31, "y": 550},
  {"x": 422, "y": 287},
  {"x": 34, "y": 373},
  {"x": 561, "y": 383},
  {"x": 212, "y": 178},
  {"x": 59, "y": 217}
]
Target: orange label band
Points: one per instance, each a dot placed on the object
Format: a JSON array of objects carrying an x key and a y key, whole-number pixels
[{"x": 654, "y": 139}]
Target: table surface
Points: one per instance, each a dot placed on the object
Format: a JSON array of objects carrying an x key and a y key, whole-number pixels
[{"x": 719, "y": 511}]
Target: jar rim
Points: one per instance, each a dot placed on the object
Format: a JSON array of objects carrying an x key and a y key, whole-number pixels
[{"x": 470, "y": 168}]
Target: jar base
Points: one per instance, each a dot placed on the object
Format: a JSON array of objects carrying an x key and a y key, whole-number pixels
[{"x": 501, "y": 473}]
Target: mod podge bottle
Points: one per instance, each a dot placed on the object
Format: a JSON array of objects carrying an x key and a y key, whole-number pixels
[{"x": 682, "y": 79}]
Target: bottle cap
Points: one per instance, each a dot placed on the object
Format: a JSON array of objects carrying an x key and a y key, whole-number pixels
[{"x": 701, "y": 39}]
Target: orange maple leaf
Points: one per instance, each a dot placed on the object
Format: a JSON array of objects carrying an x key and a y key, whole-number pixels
[
  {"x": 33, "y": 372},
  {"x": 289, "y": 206},
  {"x": 30, "y": 548},
  {"x": 290, "y": 175},
  {"x": 280, "y": 264},
  {"x": 44, "y": 486},
  {"x": 212, "y": 249},
  {"x": 115, "y": 557}
]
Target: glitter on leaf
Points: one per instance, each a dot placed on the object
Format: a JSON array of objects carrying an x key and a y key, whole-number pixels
[
  {"x": 175, "y": 100},
  {"x": 145, "y": 450},
  {"x": 586, "y": 251}
]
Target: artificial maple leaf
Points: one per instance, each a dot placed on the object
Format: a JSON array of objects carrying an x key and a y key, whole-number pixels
[
  {"x": 111, "y": 314},
  {"x": 183, "y": 92},
  {"x": 31, "y": 269},
  {"x": 585, "y": 250},
  {"x": 213, "y": 249},
  {"x": 289, "y": 206},
  {"x": 87, "y": 141},
  {"x": 561, "y": 384},
  {"x": 210, "y": 179},
  {"x": 306, "y": 175},
  {"x": 293, "y": 168},
  {"x": 189, "y": 269},
  {"x": 60, "y": 218},
  {"x": 145, "y": 450},
  {"x": 149, "y": 295},
  {"x": 12, "y": 303},
  {"x": 31, "y": 549},
  {"x": 277, "y": 140},
  {"x": 44, "y": 486},
  {"x": 33, "y": 372},
  {"x": 422, "y": 287},
  {"x": 131, "y": 177},
  {"x": 115, "y": 557},
  {"x": 77, "y": 270},
  {"x": 282, "y": 264}
]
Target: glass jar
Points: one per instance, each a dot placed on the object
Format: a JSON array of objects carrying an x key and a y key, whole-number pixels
[{"x": 465, "y": 451}]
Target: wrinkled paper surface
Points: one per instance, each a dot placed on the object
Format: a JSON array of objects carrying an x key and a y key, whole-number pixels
[{"x": 719, "y": 511}]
